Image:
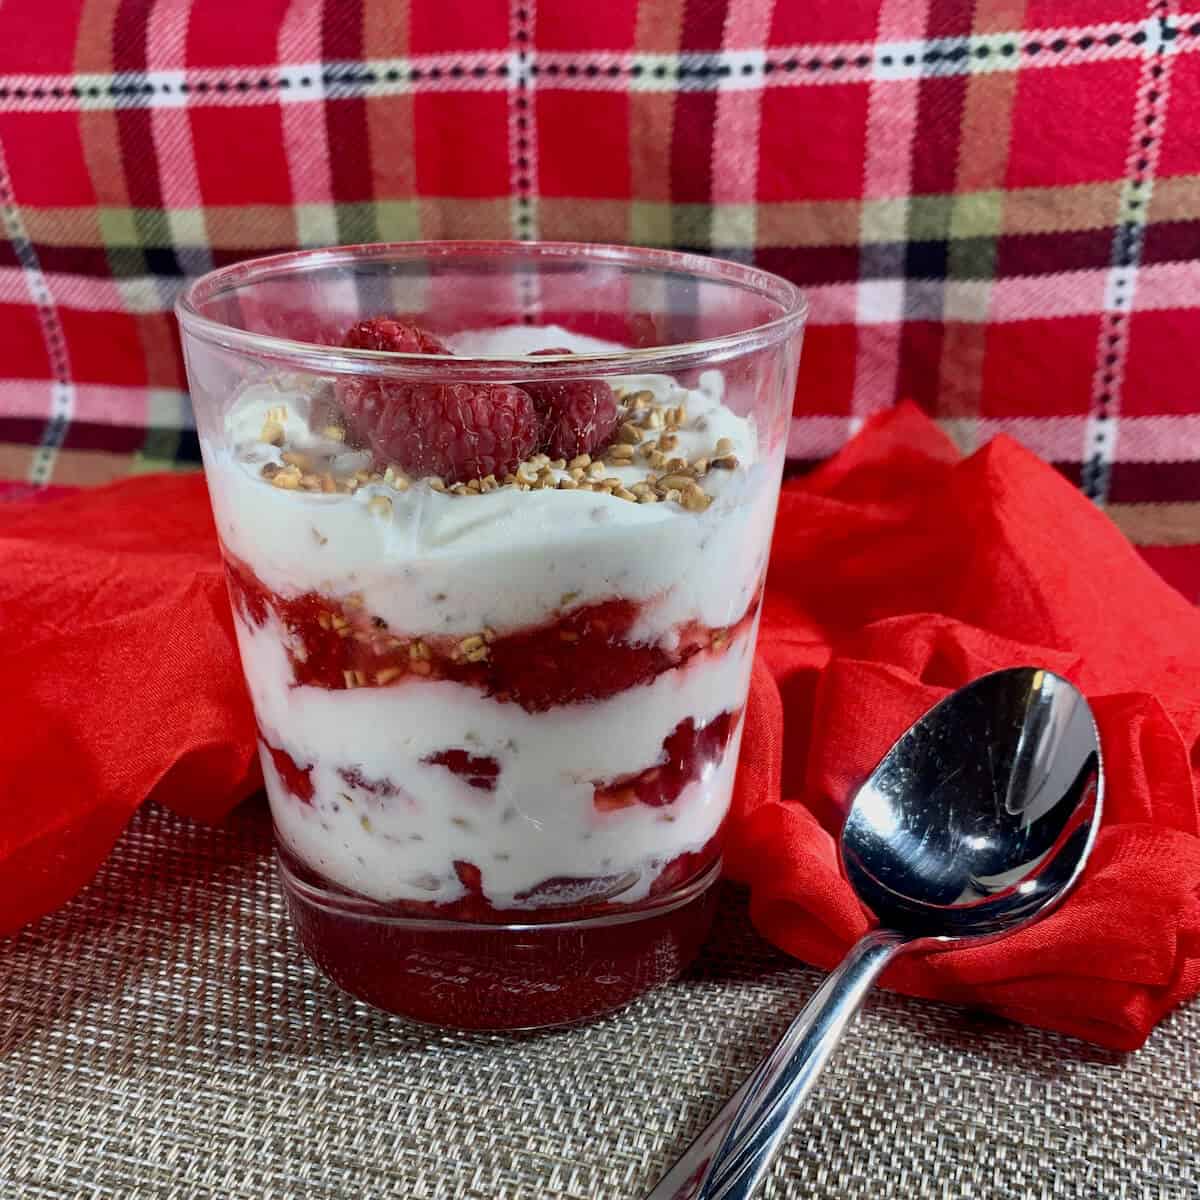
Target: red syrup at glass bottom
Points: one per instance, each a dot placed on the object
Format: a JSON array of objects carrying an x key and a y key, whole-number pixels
[{"x": 555, "y": 967}]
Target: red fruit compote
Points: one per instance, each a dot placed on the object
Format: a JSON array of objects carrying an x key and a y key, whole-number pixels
[{"x": 499, "y": 717}]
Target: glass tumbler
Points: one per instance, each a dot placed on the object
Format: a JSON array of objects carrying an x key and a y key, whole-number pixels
[{"x": 495, "y": 518}]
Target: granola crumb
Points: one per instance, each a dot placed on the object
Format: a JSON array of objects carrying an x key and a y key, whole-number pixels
[
  {"x": 675, "y": 482},
  {"x": 288, "y": 479}
]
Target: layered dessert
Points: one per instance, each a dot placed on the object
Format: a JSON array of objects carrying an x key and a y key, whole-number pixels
[{"x": 498, "y": 640}]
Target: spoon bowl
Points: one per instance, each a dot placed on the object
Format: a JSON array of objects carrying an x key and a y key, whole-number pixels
[
  {"x": 981, "y": 816},
  {"x": 977, "y": 822}
]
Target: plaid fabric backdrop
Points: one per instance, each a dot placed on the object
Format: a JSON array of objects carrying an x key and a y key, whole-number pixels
[{"x": 994, "y": 205}]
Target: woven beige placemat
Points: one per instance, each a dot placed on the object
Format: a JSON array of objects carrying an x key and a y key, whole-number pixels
[{"x": 163, "y": 1037}]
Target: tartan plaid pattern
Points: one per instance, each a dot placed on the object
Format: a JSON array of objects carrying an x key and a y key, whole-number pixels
[{"x": 993, "y": 204}]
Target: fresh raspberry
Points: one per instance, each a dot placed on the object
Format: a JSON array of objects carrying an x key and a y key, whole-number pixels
[
  {"x": 387, "y": 333},
  {"x": 460, "y": 431},
  {"x": 577, "y": 416}
]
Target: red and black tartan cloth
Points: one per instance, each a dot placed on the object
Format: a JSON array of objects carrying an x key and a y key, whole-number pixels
[{"x": 994, "y": 205}]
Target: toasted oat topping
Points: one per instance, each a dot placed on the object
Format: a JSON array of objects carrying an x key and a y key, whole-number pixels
[{"x": 646, "y": 438}]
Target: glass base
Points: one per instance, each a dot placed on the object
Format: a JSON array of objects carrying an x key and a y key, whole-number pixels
[{"x": 484, "y": 976}]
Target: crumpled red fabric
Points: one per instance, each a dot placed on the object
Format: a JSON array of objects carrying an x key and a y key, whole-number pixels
[
  {"x": 899, "y": 571},
  {"x": 119, "y": 680}
]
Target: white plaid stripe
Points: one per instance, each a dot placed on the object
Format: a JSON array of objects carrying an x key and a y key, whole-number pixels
[
  {"x": 522, "y": 128},
  {"x": 62, "y": 388},
  {"x": 1016, "y": 298},
  {"x": 165, "y": 408},
  {"x": 811, "y": 438},
  {"x": 1103, "y": 430},
  {"x": 1056, "y": 439},
  {"x": 874, "y": 302},
  {"x": 166, "y": 40},
  {"x": 736, "y": 132},
  {"x": 305, "y": 137},
  {"x": 522, "y": 146},
  {"x": 979, "y": 168},
  {"x": 1156, "y": 439},
  {"x": 780, "y": 66},
  {"x": 887, "y": 173}
]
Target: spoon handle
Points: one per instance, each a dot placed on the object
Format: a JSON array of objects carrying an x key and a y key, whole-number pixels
[{"x": 731, "y": 1155}]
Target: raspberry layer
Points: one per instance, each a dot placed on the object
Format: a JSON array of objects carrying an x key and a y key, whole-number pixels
[{"x": 587, "y": 652}]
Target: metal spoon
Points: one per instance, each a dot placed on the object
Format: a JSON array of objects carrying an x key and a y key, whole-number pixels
[{"x": 976, "y": 822}]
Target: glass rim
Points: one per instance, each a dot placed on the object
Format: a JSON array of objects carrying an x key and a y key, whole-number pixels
[{"x": 644, "y": 360}]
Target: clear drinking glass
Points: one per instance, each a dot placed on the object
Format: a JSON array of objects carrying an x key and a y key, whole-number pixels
[{"x": 496, "y": 607}]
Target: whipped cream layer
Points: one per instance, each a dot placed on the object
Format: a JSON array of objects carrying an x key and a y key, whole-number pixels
[{"x": 525, "y": 550}]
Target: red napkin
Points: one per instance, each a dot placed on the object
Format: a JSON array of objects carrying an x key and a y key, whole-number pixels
[
  {"x": 898, "y": 572},
  {"x": 120, "y": 680}
]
